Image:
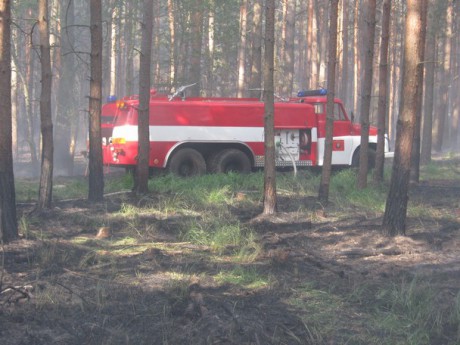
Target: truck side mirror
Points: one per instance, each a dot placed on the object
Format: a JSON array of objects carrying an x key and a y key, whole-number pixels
[{"x": 352, "y": 115}]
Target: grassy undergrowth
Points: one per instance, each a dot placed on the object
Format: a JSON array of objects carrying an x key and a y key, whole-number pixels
[
  {"x": 405, "y": 312},
  {"x": 200, "y": 221}
]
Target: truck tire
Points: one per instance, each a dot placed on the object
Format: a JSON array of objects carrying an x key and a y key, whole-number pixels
[
  {"x": 230, "y": 160},
  {"x": 187, "y": 162},
  {"x": 370, "y": 160}
]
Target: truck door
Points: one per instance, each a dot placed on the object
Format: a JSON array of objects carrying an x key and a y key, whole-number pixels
[
  {"x": 342, "y": 125},
  {"x": 342, "y": 145}
]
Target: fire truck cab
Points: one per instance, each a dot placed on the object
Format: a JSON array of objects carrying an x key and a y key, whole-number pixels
[{"x": 192, "y": 136}]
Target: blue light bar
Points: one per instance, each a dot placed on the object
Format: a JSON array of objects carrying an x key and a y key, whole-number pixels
[
  {"x": 111, "y": 99},
  {"x": 306, "y": 93}
]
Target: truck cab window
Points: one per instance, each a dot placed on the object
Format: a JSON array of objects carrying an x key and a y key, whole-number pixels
[
  {"x": 338, "y": 113},
  {"x": 319, "y": 108}
]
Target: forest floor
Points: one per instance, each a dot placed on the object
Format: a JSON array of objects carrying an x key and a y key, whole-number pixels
[{"x": 326, "y": 277}]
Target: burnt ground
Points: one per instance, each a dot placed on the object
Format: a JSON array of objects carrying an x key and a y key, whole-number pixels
[{"x": 57, "y": 291}]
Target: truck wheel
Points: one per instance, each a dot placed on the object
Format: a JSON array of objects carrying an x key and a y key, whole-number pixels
[
  {"x": 231, "y": 160},
  {"x": 187, "y": 162},
  {"x": 370, "y": 158}
]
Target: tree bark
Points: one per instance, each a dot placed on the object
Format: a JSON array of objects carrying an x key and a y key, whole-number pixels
[
  {"x": 394, "y": 220},
  {"x": 30, "y": 96},
  {"x": 288, "y": 51},
  {"x": 415, "y": 159},
  {"x": 382, "y": 108},
  {"x": 172, "y": 43},
  {"x": 356, "y": 56},
  {"x": 366, "y": 91},
  {"x": 196, "y": 36},
  {"x": 440, "y": 120},
  {"x": 345, "y": 83},
  {"x": 455, "y": 127},
  {"x": 142, "y": 172},
  {"x": 8, "y": 221},
  {"x": 242, "y": 48},
  {"x": 96, "y": 177},
  {"x": 269, "y": 130},
  {"x": 313, "y": 45},
  {"x": 65, "y": 119},
  {"x": 255, "y": 82},
  {"x": 46, "y": 123},
  {"x": 323, "y": 194}
]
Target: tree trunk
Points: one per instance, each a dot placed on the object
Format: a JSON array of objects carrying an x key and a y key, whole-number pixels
[
  {"x": 156, "y": 49},
  {"x": 172, "y": 43},
  {"x": 455, "y": 127},
  {"x": 242, "y": 48},
  {"x": 415, "y": 159},
  {"x": 382, "y": 109},
  {"x": 440, "y": 120},
  {"x": 8, "y": 222},
  {"x": 269, "y": 130},
  {"x": 255, "y": 82},
  {"x": 96, "y": 177},
  {"x": 288, "y": 51},
  {"x": 65, "y": 116},
  {"x": 30, "y": 96},
  {"x": 313, "y": 44},
  {"x": 345, "y": 83},
  {"x": 46, "y": 123},
  {"x": 142, "y": 171},
  {"x": 394, "y": 220},
  {"x": 196, "y": 36},
  {"x": 113, "y": 51},
  {"x": 366, "y": 91},
  {"x": 323, "y": 194},
  {"x": 14, "y": 109},
  {"x": 356, "y": 56},
  {"x": 128, "y": 36},
  {"x": 321, "y": 12}
]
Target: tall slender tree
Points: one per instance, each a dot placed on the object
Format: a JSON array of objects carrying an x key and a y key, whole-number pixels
[
  {"x": 8, "y": 222},
  {"x": 65, "y": 119},
  {"x": 382, "y": 106},
  {"x": 394, "y": 220},
  {"x": 429, "y": 65},
  {"x": 415, "y": 154},
  {"x": 287, "y": 65},
  {"x": 270, "y": 204},
  {"x": 366, "y": 91},
  {"x": 440, "y": 120},
  {"x": 242, "y": 48},
  {"x": 323, "y": 194},
  {"x": 455, "y": 127},
  {"x": 255, "y": 82},
  {"x": 96, "y": 174},
  {"x": 46, "y": 123},
  {"x": 142, "y": 172},
  {"x": 196, "y": 21}
]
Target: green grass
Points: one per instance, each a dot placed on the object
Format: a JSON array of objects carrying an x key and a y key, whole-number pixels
[
  {"x": 245, "y": 277},
  {"x": 404, "y": 313},
  {"x": 437, "y": 170},
  {"x": 220, "y": 235},
  {"x": 206, "y": 212},
  {"x": 344, "y": 192},
  {"x": 409, "y": 311}
]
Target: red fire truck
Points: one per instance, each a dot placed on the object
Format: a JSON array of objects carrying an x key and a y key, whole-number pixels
[
  {"x": 108, "y": 112},
  {"x": 192, "y": 136}
]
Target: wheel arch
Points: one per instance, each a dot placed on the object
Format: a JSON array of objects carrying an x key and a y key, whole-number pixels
[
  {"x": 209, "y": 148},
  {"x": 355, "y": 154}
]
